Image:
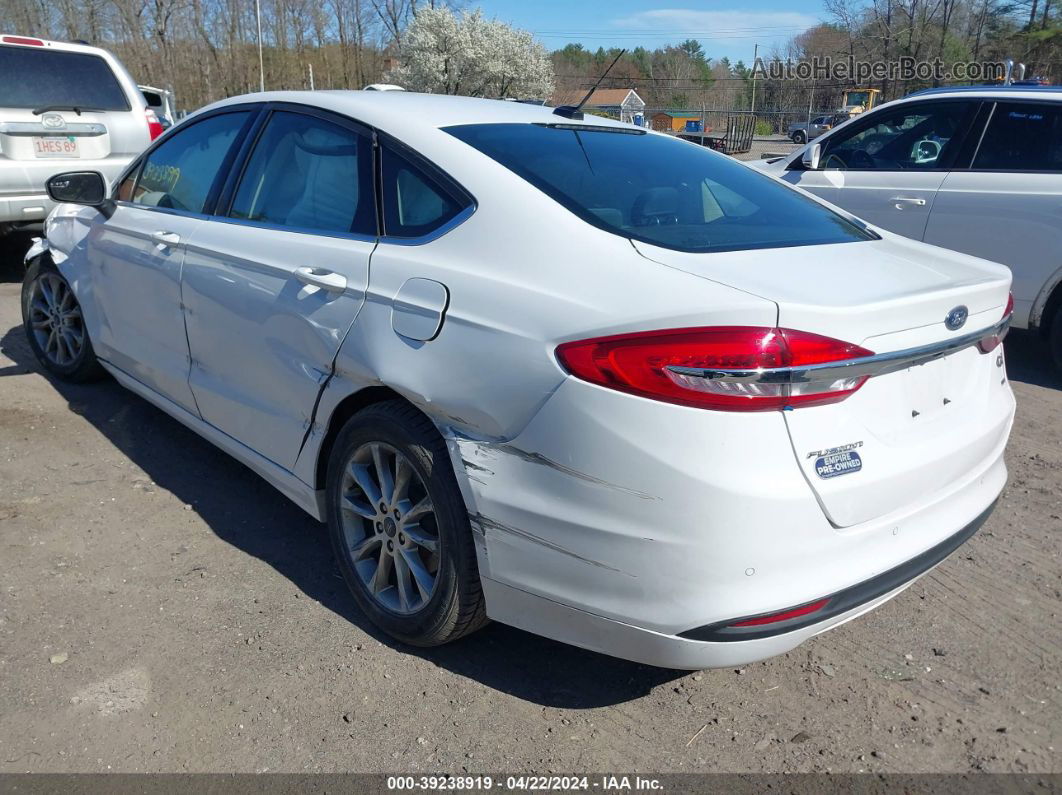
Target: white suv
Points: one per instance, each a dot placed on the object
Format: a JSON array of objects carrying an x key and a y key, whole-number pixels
[
  {"x": 62, "y": 107},
  {"x": 974, "y": 169}
]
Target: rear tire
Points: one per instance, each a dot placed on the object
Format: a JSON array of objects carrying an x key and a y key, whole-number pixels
[
  {"x": 55, "y": 326},
  {"x": 1054, "y": 339},
  {"x": 799, "y": 137},
  {"x": 399, "y": 527}
]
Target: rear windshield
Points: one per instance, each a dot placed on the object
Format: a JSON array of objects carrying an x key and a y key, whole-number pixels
[
  {"x": 659, "y": 190},
  {"x": 51, "y": 77}
]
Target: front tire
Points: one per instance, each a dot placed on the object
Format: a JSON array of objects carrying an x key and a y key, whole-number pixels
[
  {"x": 799, "y": 137},
  {"x": 55, "y": 326},
  {"x": 399, "y": 527}
]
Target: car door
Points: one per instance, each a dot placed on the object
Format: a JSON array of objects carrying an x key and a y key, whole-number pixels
[
  {"x": 136, "y": 256},
  {"x": 886, "y": 168},
  {"x": 1007, "y": 206},
  {"x": 274, "y": 281}
]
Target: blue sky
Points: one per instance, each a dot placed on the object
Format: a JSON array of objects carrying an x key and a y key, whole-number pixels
[{"x": 726, "y": 28}]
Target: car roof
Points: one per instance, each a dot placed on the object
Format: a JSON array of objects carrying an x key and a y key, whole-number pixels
[
  {"x": 405, "y": 109},
  {"x": 987, "y": 91}
]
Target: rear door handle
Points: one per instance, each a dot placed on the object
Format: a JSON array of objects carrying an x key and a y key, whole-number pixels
[
  {"x": 899, "y": 201},
  {"x": 325, "y": 279},
  {"x": 165, "y": 239}
]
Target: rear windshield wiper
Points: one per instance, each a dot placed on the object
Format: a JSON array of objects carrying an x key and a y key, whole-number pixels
[{"x": 78, "y": 109}]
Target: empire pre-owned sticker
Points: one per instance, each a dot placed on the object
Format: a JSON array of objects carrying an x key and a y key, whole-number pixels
[
  {"x": 830, "y": 466},
  {"x": 836, "y": 461}
]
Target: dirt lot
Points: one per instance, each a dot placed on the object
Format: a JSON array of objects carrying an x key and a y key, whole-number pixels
[{"x": 163, "y": 609}]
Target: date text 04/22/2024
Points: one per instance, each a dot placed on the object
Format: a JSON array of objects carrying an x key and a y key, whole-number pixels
[{"x": 608, "y": 783}]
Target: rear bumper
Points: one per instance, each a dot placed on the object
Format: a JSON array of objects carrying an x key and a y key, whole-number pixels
[
  {"x": 622, "y": 525},
  {"x": 23, "y": 199},
  {"x": 586, "y": 630},
  {"x": 846, "y": 601},
  {"x": 27, "y": 208}
]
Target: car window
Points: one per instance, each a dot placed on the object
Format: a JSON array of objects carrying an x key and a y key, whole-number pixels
[
  {"x": 53, "y": 77},
  {"x": 1022, "y": 136},
  {"x": 914, "y": 136},
  {"x": 181, "y": 172},
  {"x": 655, "y": 188},
  {"x": 308, "y": 173},
  {"x": 414, "y": 204}
]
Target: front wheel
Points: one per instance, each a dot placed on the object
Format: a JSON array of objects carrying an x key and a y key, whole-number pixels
[
  {"x": 400, "y": 529},
  {"x": 55, "y": 326},
  {"x": 799, "y": 137}
]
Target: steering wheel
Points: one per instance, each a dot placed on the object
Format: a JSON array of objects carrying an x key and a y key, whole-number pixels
[
  {"x": 664, "y": 218},
  {"x": 835, "y": 161}
]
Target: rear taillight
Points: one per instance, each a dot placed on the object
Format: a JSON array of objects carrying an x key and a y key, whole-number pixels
[
  {"x": 153, "y": 123},
  {"x": 785, "y": 615},
  {"x": 990, "y": 343},
  {"x": 21, "y": 40},
  {"x": 641, "y": 364}
]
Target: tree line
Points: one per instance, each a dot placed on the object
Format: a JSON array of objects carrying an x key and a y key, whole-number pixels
[{"x": 208, "y": 49}]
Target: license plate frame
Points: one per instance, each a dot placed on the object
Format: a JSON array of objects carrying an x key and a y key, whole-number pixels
[{"x": 56, "y": 146}]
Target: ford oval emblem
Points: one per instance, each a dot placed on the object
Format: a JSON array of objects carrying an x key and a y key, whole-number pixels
[
  {"x": 53, "y": 121},
  {"x": 956, "y": 318}
]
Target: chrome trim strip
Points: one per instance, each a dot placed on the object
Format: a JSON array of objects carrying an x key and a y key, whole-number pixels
[
  {"x": 299, "y": 230},
  {"x": 878, "y": 364},
  {"x": 28, "y": 128},
  {"x": 435, "y": 234}
]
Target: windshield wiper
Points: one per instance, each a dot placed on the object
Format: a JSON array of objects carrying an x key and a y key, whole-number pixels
[{"x": 78, "y": 109}]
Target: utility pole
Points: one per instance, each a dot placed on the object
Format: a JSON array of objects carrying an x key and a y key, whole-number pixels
[
  {"x": 261, "y": 62},
  {"x": 310, "y": 65},
  {"x": 755, "y": 56}
]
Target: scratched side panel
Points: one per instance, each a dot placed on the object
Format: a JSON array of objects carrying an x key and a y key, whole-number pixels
[
  {"x": 514, "y": 295},
  {"x": 262, "y": 343}
]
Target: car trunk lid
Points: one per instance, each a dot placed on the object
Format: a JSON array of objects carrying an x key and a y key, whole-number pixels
[{"x": 905, "y": 435}]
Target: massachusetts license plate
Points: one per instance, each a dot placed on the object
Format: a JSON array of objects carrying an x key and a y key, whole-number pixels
[{"x": 56, "y": 146}]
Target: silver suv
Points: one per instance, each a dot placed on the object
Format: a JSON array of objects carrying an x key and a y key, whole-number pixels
[{"x": 63, "y": 106}]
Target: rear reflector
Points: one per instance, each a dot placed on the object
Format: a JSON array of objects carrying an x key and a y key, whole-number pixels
[
  {"x": 641, "y": 364},
  {"x": 785, "y": 615},
  {"x": 21, "y": 40}
]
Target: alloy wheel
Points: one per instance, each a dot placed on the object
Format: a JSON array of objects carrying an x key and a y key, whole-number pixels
[
  {"x": 55, "y": 320},
  {"x": 390, "y": 528}
]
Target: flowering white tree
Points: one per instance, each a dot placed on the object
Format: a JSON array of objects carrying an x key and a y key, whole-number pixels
[{"x": 443, "y": 53}]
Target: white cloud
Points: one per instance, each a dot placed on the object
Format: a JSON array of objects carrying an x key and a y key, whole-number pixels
[{"x": 724, "y": 24}]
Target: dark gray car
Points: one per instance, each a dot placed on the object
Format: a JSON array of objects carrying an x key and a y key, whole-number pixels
[{"x": 802, "y": 132}]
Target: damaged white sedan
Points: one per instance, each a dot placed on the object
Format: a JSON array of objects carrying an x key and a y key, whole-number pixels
[{"x": 591, "y": 381}]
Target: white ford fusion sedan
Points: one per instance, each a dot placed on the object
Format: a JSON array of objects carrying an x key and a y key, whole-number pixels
[{"x": 594, "y": 382}]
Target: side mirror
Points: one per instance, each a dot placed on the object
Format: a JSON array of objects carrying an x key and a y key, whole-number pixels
[
  {"x": 811, "y": 156},
  {"x": 78, "y": 187}
]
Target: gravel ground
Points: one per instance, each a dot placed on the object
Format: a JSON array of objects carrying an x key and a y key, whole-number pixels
[
  {"x": 773, "y": 145},
  {"x": 163, "y": 609}
]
